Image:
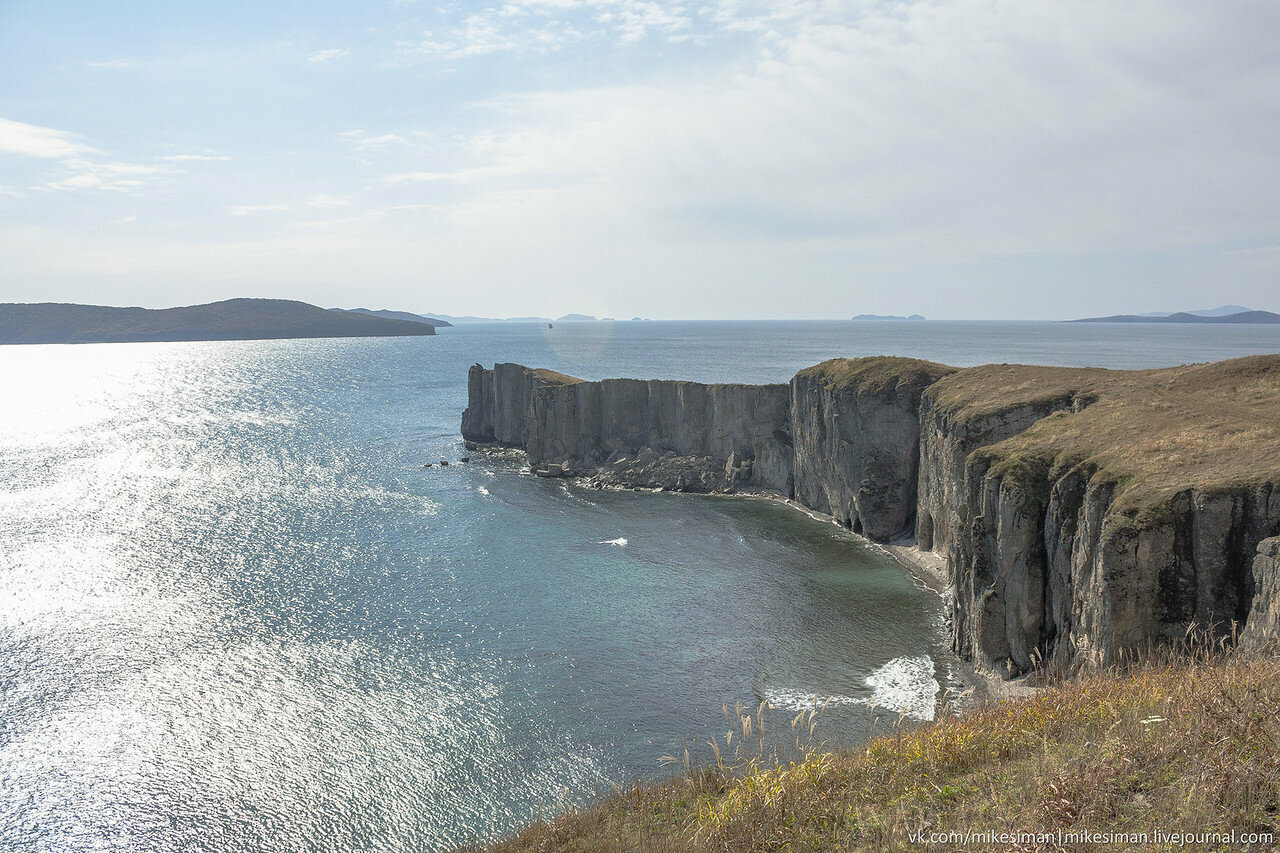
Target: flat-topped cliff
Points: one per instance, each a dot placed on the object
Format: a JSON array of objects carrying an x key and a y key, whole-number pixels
[
  {"x": 1088, "y": 512},
  {"x": 1083, "y": 513},
  {"x": 682, "y": 436}
]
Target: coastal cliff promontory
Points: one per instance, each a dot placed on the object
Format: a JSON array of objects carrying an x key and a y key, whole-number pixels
[{"x": 1083, "y": 513}]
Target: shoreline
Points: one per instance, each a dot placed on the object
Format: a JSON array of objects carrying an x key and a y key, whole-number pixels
[{"x": 927, "y": 569}]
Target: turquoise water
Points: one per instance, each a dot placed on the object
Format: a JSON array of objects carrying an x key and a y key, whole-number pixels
[{"x": 236, "y": 614}]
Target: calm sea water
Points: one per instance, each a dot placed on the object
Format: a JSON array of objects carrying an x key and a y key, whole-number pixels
[{"x": 236, "y": 614}]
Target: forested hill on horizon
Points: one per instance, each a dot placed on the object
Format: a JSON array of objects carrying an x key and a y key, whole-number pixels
[{"x": 229, "y": 320}]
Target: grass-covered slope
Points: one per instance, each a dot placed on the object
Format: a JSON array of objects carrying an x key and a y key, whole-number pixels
[
  {"x": 232, "y": 319},
  {"x": 1210, "y": 427},
  {"x": 876, "y": 374},
  {"x": 1189, "y": 745}
]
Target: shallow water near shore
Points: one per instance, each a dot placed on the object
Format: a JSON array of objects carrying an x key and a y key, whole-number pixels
[{"x": 238, "y": 614}]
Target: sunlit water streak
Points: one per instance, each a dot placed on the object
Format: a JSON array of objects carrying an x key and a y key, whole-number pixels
[{"x": 237, "y": 614}]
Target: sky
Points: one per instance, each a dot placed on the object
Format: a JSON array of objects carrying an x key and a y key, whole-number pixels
[{"x": 970, "y": 159}]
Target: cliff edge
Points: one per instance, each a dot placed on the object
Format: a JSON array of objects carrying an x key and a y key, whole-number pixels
[{"x": 1084, "y": 514}]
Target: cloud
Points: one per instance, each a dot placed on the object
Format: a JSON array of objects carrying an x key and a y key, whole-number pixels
[
  {"x": 82, "y": 166},
  {"x": 939, "y": 130},
  {"x": 183, "y": 158},
  {"x": 34, "y": 141},
  {"x": 364, "y": 142},
  {"x": 317, "y": 200},
  {"x": 1028, "y": 153},
  {"x": 549, "y": 26},
  {"x": 330, "y": 54},
  {"x": 323, "y": 200},
  {"x": 114, "y": 64},
  {"x": 106, "y": 175},
  {"x": 250, "y": 209}
]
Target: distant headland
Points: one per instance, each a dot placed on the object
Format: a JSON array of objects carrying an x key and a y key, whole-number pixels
[
  {"x": 1234, "y": 314},
  {"x": 388, "y": 314},
  {"x": 888, "y": 317},
  {"x": 229, "y": 320}
]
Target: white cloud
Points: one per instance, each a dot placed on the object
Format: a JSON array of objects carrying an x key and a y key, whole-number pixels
[
  {"x": 34, "y": 141},
  {"x": 81, "y": 165},
  {"x": 317, "y": 200},
  {"x": 105, "y": 175},
  {"x": 250, "y": 209},
  {"x": 824, "y": 151},
  {"x": 323, "y": 200},
  {"x": 183, "y": 158},
  {"x": 945, "y": 130},
  {"x": 330, "y": 54},
  {"x": 113, "y": 64},
  {"x": 364, "y": 142}
]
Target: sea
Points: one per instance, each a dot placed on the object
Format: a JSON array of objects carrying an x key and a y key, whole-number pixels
[{"x": 237, "y": 613}]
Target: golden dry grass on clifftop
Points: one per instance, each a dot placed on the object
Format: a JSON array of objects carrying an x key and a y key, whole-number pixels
[
  {"x": 876, "y": 374},
  {"x": 1187, "y": 745},
  {"x": 1210, "y": 427}
]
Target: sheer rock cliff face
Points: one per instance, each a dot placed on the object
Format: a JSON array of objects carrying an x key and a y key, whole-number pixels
[
  {"x": 856, "y": 428},
  {"x": 1049, "y": 561},
  {"x": 1263, "y": 625},
  {"x": 1049, "y": 557},
  {"x": 987, "y": 533},
  {"x": 1054, "y": 572},
  {"x": 681, "y": 436}
]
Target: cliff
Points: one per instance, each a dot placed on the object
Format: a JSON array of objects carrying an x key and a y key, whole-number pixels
[
  {"x": 1087, "y": 514},
  {"x": 856, "y": 430},
  {"x": 1084, "y": 514},
  {"x": 682, "y": 436}
]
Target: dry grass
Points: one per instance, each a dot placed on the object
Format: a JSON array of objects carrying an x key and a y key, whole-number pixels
[
  {"x": 1211, "y": 427},
  {"x": 551, "y": 377},
  {"x": 877, "y": 374},
  {"x": 1181, "y": 743}
]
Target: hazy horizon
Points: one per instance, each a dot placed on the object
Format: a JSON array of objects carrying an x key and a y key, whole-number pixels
[
  {"x": 473, "y": 317},
  {"x": 726, "y": 159}
]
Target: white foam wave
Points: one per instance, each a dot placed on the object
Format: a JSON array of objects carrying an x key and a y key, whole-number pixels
[
  {"x": 621, "y": 542},
  {"x": 798, "y": 700},
  {"x": 906, "y": 685},
  {"x": 482, "y": 490}
]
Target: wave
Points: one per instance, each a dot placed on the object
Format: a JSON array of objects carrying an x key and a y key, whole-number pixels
[
  {"x": 482, "y": 490},
  {"x": 621, "y": 541},
  {"x": 798, "y": 700},
  {"x": 905, "y": 685}
]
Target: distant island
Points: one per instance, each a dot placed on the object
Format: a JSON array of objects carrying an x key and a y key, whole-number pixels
[
  {"x": 388, "y": 314},
  {"x": 887, "y": 317},
  {"x": 1220, "y": 311},
  {"x": 230, "y": 320},
  {"x": 468, "y": 318},
  {"x": 1225, "y": 314}
]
